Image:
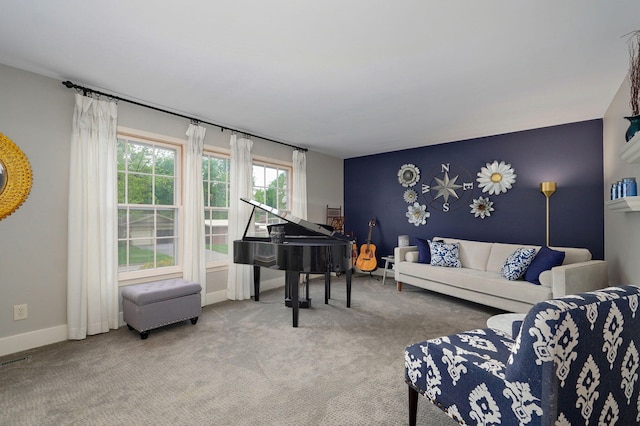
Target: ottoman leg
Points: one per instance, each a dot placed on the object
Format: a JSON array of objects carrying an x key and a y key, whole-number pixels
[
  {"x": 144, "y": 334},
  {"x": 194, "y": 320}
]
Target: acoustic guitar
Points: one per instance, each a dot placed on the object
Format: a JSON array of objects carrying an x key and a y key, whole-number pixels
[{"x": 367, "y": 259}]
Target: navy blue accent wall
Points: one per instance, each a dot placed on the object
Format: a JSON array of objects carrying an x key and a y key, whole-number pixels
[{"x": 569, "y": 154}]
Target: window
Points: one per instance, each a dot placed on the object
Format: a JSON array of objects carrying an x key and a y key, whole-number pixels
[
  {"x": 148, "y": 204},
  {"x": 215, "y": 179},
  {"x": 270, "y": 187}
]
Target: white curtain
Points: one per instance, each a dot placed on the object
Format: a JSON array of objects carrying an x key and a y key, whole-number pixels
[
  {"x": 240, "y": 277},
  {"x": 92, "y": 266},
  {"x": 299, "y": 202},
  {"x": 194, "y": 239}
]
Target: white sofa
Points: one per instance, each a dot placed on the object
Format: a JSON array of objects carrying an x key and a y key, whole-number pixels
[{"x": 479, "y": 279}]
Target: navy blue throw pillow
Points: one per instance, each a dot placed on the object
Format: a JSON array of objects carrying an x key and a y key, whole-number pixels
[
  {"x": 424, "y": 252},
  {"x": 545, "y": 259}
]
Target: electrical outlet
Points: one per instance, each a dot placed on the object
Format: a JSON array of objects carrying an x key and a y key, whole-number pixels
[{"x": 20, "y": 312}]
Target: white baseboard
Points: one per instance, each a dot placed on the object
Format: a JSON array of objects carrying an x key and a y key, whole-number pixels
[
  {"x": 47, "y": 336},
  {"x": 32, "y": 339}
]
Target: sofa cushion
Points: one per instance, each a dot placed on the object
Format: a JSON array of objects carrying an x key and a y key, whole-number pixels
[
  {"x": 517, "y": 263},
  {"x": 544, "y": 261},
  {"x": 443, "y": 254},
  {"x": 484, "y": 282},
  {"x": 574, "y": 255},
  {"x": 473, "y": 254}
]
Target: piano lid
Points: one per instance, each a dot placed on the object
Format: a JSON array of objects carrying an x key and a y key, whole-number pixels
[{"x": 288, "y": 217}]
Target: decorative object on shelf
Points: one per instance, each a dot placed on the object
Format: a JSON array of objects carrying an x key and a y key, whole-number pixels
[
  {"x": 417, "y": 214},
  {"x": 15, "y": 177},
  {"x": 403, "y": 241},
  {"x": 481, "y": 207},
  {"x": 634, "y": 83},
  {"x": 408, "y": 175},
  {"x": 410, "y": 196},
  {"x": 548, "y": 189},
  {"x": 496, "y": 178},
  {"x": 634, "y": 127},
  {"x": 629, "y": 187},
  {"x": 450, "y": 187}
]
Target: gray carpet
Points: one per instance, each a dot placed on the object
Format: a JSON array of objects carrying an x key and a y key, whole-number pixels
[{"x": 243, "y": 364}]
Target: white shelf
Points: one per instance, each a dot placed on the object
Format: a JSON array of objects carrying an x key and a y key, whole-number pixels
[
  {"x": 631, "y": 150},
  {"x": 625, "y": 204}
]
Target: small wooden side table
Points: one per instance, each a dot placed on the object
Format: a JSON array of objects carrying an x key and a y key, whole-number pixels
[{"x": 388, "y": 260}]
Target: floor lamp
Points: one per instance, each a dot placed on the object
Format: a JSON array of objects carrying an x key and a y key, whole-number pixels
[{"x": 548, "y": 189}]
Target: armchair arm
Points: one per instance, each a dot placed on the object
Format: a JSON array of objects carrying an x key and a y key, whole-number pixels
[{"x": 579, "y": 277}]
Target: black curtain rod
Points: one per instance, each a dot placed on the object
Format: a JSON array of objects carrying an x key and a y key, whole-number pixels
[{"x": 85, "y": 90}]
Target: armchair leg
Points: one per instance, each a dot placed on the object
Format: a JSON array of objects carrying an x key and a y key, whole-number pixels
[{"x": 413, "y": 405}]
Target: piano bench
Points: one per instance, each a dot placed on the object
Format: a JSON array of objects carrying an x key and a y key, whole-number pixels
[{"x": 156, "y": 304}]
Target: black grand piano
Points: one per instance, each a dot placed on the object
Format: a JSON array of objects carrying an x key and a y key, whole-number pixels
[{"x": 306, "y": 248}]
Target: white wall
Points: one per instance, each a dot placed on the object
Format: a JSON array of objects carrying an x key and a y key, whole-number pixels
[
  {"x": 36, "y": 113},
  {"x": 621, "y": 230}
]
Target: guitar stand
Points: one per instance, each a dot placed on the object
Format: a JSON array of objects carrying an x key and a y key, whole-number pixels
[{"x": 369, "y": 274}]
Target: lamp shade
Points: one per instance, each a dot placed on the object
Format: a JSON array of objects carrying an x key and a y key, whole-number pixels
[{"x": 548, "y": 188}]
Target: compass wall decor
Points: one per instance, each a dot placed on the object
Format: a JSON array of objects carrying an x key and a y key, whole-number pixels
[{"x": 450, "y": 187}]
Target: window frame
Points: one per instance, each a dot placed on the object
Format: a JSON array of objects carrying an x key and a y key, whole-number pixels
[
  {"x": 270, "y": 162},
  {"x": 143, "y": 275},
  {"x": 226, "y": 154}
]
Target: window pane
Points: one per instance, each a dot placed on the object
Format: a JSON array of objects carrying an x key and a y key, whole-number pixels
[
  {"x": 122, "y": 180},
  {"x": 271, "y": 176},
  {"x": 122, "y": 148},
  {"x": 207, "y": 194},
  {"x": 167, "y": 252},
  {"x": 166, "y": 224},
  {"x": 205, "y": 168},
  {"x": 139, "y": 189},
  {"x": 259, "y": 196},
  {"x": 122, "y": 223},
  {"x": 140, "y": 158},
  {"x": 283, "y": 203},
  {"x": 165, "y": 194},
  {"x": 142, "y": 226},
  {"x": 219, "y": 195},
  {"x": 258, "y": 176},
  {"x": 217, "y": 229},
  {"x": 165, "y": 161}
]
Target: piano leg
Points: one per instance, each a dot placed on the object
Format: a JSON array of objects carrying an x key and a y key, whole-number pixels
[
  {"x": 349, "y": 287},
  {"x": 256, "y": 283},
  {"x": 293, "y": 277},
  {"x": 327, "y": 287}
]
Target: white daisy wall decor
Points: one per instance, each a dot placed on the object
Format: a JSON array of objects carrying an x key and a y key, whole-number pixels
[
  {"x": 410, "y": 196},
  {"x": 417, "y": 214},
  {"x": 481, "y": 207},
  {"x": 408, "y": 175},
  {"x": 496, "y": 178}
]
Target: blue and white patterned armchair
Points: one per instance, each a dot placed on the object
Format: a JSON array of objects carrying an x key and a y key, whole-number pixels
[{"x": 576, "y": 361}]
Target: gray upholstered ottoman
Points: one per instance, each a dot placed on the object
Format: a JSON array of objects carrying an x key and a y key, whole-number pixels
[{"x": 152, "y": 305}]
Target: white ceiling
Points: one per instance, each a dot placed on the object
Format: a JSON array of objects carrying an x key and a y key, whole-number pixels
[{"x": 342, "y": 77}]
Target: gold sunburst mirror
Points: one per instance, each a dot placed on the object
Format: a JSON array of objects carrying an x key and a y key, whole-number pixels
[{"x": 15, "y": 177}]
